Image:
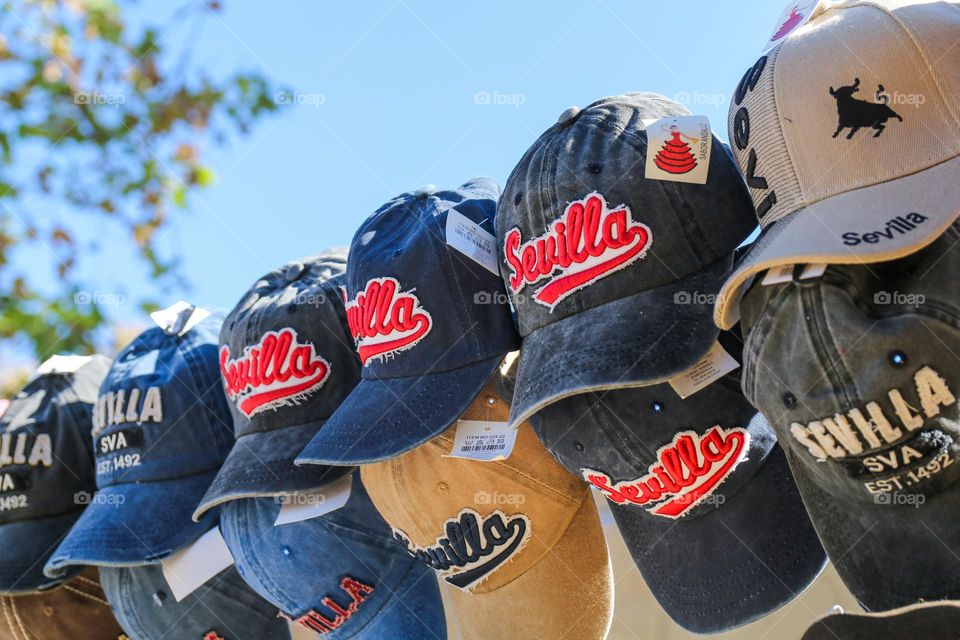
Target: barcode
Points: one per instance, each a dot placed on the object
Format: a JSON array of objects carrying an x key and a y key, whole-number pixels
[{"x": 483, "y": 447}]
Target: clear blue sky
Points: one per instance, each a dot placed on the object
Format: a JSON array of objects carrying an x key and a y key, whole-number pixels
[{"x": 397, "y": 84}]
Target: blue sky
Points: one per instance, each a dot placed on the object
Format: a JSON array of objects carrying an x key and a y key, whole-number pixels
[{"x": 394, "y": 94}]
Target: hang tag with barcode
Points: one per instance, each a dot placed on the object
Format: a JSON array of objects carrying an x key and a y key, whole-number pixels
[
  {"x": 716, "y": 364},
  {"x": 188, "y": 569},
  {"x": 483, "y": 440},
  {"x": 472, "y": 240}
]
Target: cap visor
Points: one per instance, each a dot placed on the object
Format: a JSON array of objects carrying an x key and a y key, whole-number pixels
[
  {"x": 752, "y": 555},
  {"x": 382, "y": 418},
  {"x": 890, "y": 555},
  {"x": 261, "y": 465},
  {"x": 538, "y": 603},
  {"x": 852, "y": 228},
  {"x": 130, "y": 524},
  {"x": 927, "y": 620},
  {"x": 637, "y": 341},
  {"x": 30, "y": 544}
]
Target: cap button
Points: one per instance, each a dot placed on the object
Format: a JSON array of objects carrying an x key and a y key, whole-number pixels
[
  {"x": 569, "y": 115},
  {"x": 425, "y": 191},
  {"x": 293, "y": 271}
]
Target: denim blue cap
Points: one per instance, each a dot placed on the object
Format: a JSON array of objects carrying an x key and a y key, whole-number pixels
[
  {"x": 340, "y": 575},
  {"x": 162, "y": 429},
  {"x": 46, "y": 471},
  {"x": 430, "y": 324},
  {"x": 223, "y": 608}
]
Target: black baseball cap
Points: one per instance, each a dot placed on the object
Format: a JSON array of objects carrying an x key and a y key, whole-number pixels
[
  {"x": 927, "y": 620},
  {"x": 287, "y": 362},
  {"x": 859, "y": 374},
  {"x": 46, "y": 469},
  {"x": 595, "y": 255},
  {"x": 700, "y": 492},
  {"x": 430, "y": 324}
]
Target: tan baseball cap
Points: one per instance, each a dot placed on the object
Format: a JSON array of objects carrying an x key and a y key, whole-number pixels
[
  {"x": 77, "y": 610},
  {"x": 848, "y": 134},
  {"x": 517, "y": 540}
]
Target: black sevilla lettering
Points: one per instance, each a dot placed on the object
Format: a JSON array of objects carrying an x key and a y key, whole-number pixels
[{"x": 741, "y": 137}]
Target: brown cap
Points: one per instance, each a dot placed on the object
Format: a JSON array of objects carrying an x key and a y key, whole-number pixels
[
  {"x": 519, "y": 538},
  {"x": 77, "y": 610}
]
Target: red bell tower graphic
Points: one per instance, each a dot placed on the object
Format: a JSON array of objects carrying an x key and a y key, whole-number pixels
[{"x": 675, "y": 156}]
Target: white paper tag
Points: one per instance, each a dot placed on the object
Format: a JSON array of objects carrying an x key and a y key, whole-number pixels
[
  {"x": 179, "y": 317},
  {"x": 795, "y": 15},
  {"x": 716, "y": 364},
  {"x": 483, "y": 440},
  {"x": 4, "y": 403},
  {"x": 780, "y": 275},
  {"x": 188, "y": 569},
  {"x": 678, "y": 149},
  {"x": 313, "y": 504},
  {"x": 62, "y": 364},
  {"x": 467, "y": 237}
]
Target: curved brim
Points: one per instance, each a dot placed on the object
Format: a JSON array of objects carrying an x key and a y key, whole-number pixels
[
  {"x": 832, "y": 231},
  {"x": 538, "y": 604},
  {"x": 134, "y": 523},
  {"x": 640, "y": 340},
  {"x": 261, "y": 465},
  {"x": 888, "y": 555},
  {"x": 927, "y": 620},
  {"x": 29, "y": 545},
  {"x": 383, "y": 418},
  {"x": 750, "y": 556}
]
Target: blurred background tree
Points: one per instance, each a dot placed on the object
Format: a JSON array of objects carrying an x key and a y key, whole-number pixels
[{"x": 99, "y": 126}]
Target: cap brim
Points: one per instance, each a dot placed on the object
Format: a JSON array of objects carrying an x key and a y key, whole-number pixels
[
  {"x": 887, "y": 555},
  {"x": 261, "y": 465},
  {"x": 537, "y": 604},
  {"x": 640, "y": 340},
  {"x": 816, "y": 234},
  {"x": 134, "y": 523},
  {"x": 383, "y": 418},
  {"x": 30, "y": 544},
  {"x": 729, "y": 567},
  {"x": 927, "y": 620}
]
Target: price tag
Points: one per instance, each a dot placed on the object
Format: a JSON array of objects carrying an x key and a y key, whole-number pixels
[
  {"x": 716, "y": 364},
  {"x": 484, "y": 441},
  {"x": 780, "y": 275},
  {"x": 473, "y": 241},
  {"x": 313, "y": 504},
  {"x": 188, "y": 569},
  {"x": 62, "y": 364},
  {"x": 179, "y": 317}
]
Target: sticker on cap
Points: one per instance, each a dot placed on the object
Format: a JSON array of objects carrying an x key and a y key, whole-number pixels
[
  {"x": 62, "y": 364},
  {"x": 472, "y": 240},
  {"x": 795, "y": 15},
  {"x": 483, "y": 440},
  {"x": 679, "y": 148},
  {"x": 313, "y": 504},
  {"x": 713, "y": 366},
  {"x": 179, "y": 318},
  {"x": 190, "y": 568}
]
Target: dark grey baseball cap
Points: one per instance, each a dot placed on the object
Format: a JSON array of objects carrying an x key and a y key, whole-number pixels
[
  {"x": 701, "y": 494},
  {"x": 632, "y": 247},
  {"x": 859, "y": 374},
  {"x": 287, "y": 362},
  {"x": 927, "y": 620}
]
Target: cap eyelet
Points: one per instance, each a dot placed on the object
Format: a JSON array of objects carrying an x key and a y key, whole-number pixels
[
  {"x": 656, "y": 406},
  {"x": 594, "y": 168},
  {"x": 443, "y": 486},
  {"x": 898, "y": 358},
  {"x": 491, "y": 400},
  {"x": 789, "y": 400},
  {"x": 159, "y": 597},
  {"x": 291, "y": 308},
  {"x": 578, "y": 446},
  {"x": 517, "y": 198}
]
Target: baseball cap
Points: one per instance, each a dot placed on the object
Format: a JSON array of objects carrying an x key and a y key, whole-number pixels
[
  {"x": 287, "y": 362},
  {"x": 927, "y": 620},
  {"x": 76, "y": 609},
  {"x": 595, "y": 255},
  {"x": 223, "y": 608},
  {"x": 161, "y": 430},
  {"x": 46, "y": 468},
  {"x": 849, "y": 135},
  {"x": 858, "y": 373},
  {"x": 429, "y": 322},
  {"x": 515, "y": 540},
  {"x": 700, "y": 492},
  {"x": 339, "y": 574}
]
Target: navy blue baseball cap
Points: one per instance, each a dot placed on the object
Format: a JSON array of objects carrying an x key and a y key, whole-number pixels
[
  {"x": 223, "y": 608},
  {"x": 46, "y": 470},
  {"x": 340, "y": 575},
  {"x": 161, "y": 430},
  {"x": 700, "y": 491},
  {"x": 430, "y": 324},
  {"x": 287, "y": 362}
]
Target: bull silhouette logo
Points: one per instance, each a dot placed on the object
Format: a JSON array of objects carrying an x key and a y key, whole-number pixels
[{"x": 856, "y": 114}]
